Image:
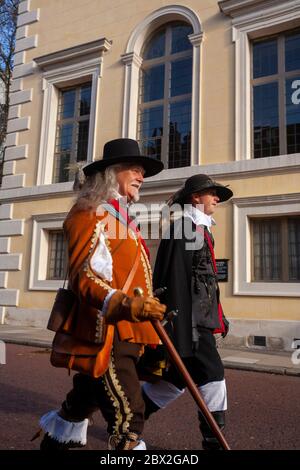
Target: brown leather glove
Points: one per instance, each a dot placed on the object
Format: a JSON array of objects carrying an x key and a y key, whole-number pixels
[{"x": 134, "y": 309}]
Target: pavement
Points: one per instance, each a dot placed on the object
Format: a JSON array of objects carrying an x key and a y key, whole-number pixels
[{"x": 258, "y": 359}]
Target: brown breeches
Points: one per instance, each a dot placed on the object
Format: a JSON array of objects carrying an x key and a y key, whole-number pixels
[{"x": 117, "y": 394}]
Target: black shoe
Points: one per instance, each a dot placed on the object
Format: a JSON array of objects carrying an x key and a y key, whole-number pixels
[
  {"x": 150, "y": 406},
  {"x": 210, "y": 442},
  {"x": 50, "y": 444}
]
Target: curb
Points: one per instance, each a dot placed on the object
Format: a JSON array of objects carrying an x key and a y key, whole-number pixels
[
  {"x": 261, "y": 368},
  {"x": 28, "y": 342},
  {"x": 279, "y": 370}
]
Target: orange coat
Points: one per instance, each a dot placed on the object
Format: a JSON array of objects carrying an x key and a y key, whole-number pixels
[{"x": 82, "y": 229}]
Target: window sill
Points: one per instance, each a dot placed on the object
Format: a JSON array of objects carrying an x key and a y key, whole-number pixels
[{"x": 274, "y": 289}]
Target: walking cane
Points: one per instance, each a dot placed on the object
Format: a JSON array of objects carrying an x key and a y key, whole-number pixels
[
  {"x": 177, "y": 361},
  {"x": 190, "y": 383}
]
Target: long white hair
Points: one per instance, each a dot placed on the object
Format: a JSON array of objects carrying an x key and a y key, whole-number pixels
[{"x": 97, "y": 188}]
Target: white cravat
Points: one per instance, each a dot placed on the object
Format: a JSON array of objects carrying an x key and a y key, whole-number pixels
[{"x": 198, "y": 217}]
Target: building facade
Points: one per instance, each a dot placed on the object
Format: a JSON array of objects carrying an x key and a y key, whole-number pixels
[{"x": 210, "y": 87}]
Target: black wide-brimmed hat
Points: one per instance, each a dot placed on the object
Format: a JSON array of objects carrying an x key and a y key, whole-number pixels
[
  {"x": 124, "y": 151},
  {"x": 199, "y": 183}
]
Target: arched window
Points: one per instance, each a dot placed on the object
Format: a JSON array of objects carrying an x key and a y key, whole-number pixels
[{"x": 165, "y": 95}]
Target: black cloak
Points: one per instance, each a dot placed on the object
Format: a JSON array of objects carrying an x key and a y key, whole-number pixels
[{"x": 174, "y": 270}]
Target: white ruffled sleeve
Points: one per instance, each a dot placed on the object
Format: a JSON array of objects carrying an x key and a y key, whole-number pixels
[{"x": 101, "y": 260}]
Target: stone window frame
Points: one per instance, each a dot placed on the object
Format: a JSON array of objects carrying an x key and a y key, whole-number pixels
[
  {"x": 249, "y": 24},
  {"x": 41, "y": 224},
  {"x": 132, "y": 62},
  {"x": 75, "y": 120},
  {"x": 166, "y": 101},
  {"x": 59, "y": 70},
  {"x": 243, "y": 210}
]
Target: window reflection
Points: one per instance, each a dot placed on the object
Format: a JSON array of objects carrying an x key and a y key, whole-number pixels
[
  {"x": 180, "y": 40},
  {"x": 276, "y": 95},
  {"x": 181, "y": 77},
  {"x": 292, "y": 52},
  {"x": 265, "y": 58},
  {"x": 266, "y": 120},
  {"x": 72, "y": 131},
  {"x": 164, "y": 121},
  {"x": 292, "y": 93},
  {"x": 156, "y": 47},
  {"x": 153, "y": 83},
  {"x": 180, "y": 134}
]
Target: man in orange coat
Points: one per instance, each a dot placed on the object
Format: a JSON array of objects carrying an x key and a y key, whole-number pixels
[{"x": 108, "y": 259}]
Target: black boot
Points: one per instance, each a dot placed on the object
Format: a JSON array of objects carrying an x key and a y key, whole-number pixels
[
  {"x": 50, "y": 444},
  {"x": 210, "y": 442},
  {"x": 150, "y": 406}
]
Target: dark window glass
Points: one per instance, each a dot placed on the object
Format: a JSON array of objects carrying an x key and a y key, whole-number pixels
[
  {"x": 57, "y": 259},
  {"x": 67, "y": 104},
  {"x": 266, "y": 120},
  {"x": 62, "y": 156},
  {"x": 164, "y": 121},
  {"x": 267, "y": 250},
  {"x": 180, "y": 40},
  {"x": 292, "y": 52},
  {"x": 153, "y": 83},
  {"x": 156, "y": 47},
  {"x": 181, "y": 77},
  {"x": 65, "y": 133},
  {"x": 83, "y": 139},
  {"x": 276, "y": 100},
  {"x": 294, "y": 248},
  {"x": 72, "y": 132},
  {"x": 85, "y": 100},
  {"x": 180, "y": 134},
  {"x": 292, "y": 99},
  {"x": 265, "y": 58},
  {"x": 151, "y": 130}
]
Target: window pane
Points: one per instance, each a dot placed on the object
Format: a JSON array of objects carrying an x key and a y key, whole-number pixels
[
  {"x": 61, "y": 167},
  {"x": 62, "y": 157},
  {"x": 64, "y": 137},
  {"x": 266, "y": 121},
  {"x": 292, "y": 52},
  {"x": 67, "y": 104},
  {"x": 164, "y": 120},
  {"x": 72, "y": 131},
  {"x": 294, "y": 248},
  {"x": 265, "y": 58},
  {"x": 57, "y": 255},
  {"x": 267, "y": 250},
  {"x": 82, "y": 140},
  {"x": 153, "y": 83},
  {"x": 151, "y": 130},
  {"x": 181, "y": 77},
  {"x": 156, "y": 46},
  {"x": 85, "y": 100},
  {"x": 180, "y": 40},
  {"x": 292, "y": 92},
  {"x": 180, "y": 134}
]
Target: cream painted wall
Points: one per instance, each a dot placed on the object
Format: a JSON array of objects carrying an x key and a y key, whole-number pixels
[
  {"x": 23, "y": 244},
  {"x": 72, "y": 22},
  {"x": 235, "y": 306},
  {"x": 68, "y": 23}
]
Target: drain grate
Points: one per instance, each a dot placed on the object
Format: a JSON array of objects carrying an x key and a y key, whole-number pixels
[{"x": 259, "y": 341}]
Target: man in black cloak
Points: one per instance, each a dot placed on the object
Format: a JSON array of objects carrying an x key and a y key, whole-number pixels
[{"x": 185, "y": 264}]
